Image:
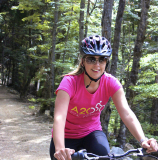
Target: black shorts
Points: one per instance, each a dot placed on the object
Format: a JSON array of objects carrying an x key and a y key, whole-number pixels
[{"x": 96, "y": 142}]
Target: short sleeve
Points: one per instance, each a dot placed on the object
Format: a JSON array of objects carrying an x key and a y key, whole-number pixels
[
  {"x": 114, "y": 85},
  {"x": 67, "y": 84}
]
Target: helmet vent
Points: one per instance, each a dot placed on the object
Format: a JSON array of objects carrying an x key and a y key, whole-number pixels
[
  {"x": 103, "y": 45},
  {"x": 98, "y": 45},
  {"x": 92, "y": 44}
]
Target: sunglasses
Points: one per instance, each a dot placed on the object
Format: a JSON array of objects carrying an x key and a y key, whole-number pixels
[{"x": 92, "y": 60}]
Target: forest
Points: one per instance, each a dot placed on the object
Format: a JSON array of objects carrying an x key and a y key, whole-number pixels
[{"x": 40, "y": 41}]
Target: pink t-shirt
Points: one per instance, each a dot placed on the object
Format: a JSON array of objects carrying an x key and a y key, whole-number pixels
[{"x": 84, "y": 109}]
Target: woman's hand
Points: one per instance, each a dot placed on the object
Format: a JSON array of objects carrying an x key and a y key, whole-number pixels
[
  {"x": 151, "y": 145},
  {"x": 64, "y": 154}
]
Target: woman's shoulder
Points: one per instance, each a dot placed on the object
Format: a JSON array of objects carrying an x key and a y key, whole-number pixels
[
  {"x": 73, "y": 77},
  {"x": 108, "y": 75},
  {"x": 111, "y": 83},
  {"x": 69, "y": 84},
  {"x": 109, "y": 78}
]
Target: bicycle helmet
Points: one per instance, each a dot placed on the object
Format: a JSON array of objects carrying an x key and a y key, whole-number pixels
[{"x": 96, "y": 46}]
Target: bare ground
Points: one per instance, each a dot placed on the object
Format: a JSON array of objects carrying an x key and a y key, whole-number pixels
[{"x": 23, "y": 135}]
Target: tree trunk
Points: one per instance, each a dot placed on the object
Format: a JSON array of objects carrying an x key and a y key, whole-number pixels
[
  {"x": 137, "y": 49},
  {"x": 137, "y": 52},
  {"x": 122, "y": 132},
  {"x": 2, "y": 72},
  {"x": 52, "y": 54},
  {"x": 106, "y": 32},
  {"x": 81, "y": 22},
  {"x": 4, "y": 45},
  {"x": 106, "y": 19},
  {"x": 105, "y": 116},
  {"x": 117, "y": 33},
  {"x": 121, "y": 139},
  {"x": 8, "y": 73},
  {"x": 66, "y": 39},
  {"x": 86, "y": 24}
]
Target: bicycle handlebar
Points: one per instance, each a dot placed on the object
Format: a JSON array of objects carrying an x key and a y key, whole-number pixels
[
  {"x": 82, "y": 154},
  {"x": 79, "y": 155}
]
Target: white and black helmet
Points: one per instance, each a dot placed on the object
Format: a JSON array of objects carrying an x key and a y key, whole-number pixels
[{"x": 96, "y": 46}]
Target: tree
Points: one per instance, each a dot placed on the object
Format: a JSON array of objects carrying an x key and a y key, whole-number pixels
[
  {"x": 106, "y": 112},
  {"x": 137, "y": 53},
  {"x": 87, "y": 16},
  {"x": 106, "y": 19},
  {"x": 106, "y": 32},
  {"x": 52, "y": 54},
  {"x": 81, "y": 22}
]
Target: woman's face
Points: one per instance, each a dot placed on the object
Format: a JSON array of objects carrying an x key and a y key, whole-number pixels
[{"x": 95, "y": 65}]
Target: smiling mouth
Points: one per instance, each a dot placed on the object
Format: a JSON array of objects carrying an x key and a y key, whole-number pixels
[{"x": 95, "y": 70}]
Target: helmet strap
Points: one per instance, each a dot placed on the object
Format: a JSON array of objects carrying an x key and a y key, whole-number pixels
[
  {"x": 107, "y": 63},
  {"x": 92, "y": 79},
  {"x": 88, "y": 84}
]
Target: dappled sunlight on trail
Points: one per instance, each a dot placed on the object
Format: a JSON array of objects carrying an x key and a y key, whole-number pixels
[{"x": 23, "y": 136}]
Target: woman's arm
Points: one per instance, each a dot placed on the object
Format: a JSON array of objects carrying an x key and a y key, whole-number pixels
[
  {"x": 130, "y": 120},
  {"x": 60, "y": 113},
  {"x": 127, "y": 115}
]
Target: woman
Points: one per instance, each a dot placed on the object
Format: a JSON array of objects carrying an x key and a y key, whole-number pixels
[{"x": 81, "y": 96}]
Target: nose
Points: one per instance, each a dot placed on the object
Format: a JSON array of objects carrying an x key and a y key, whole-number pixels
[{"x": 97, "y": 62}]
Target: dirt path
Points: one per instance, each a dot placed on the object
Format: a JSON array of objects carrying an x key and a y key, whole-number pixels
[{"x": 23, "y": 136}]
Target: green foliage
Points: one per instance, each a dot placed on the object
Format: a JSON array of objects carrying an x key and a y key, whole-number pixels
[
  {"x": 149, "y": 129},
  {"x": 132, "y": 12},
  {"x": 32, "y": 100},
  {"x": 114, "y": 126},
  {"x": 32, "y": 107},
  {"x": 146, "y": 87},
  {"x": 45, "y": 102},
  {"x": 113, "y": 119},
  {"x": 34, "y": 18},
  {"x": 29, "y": 5}
]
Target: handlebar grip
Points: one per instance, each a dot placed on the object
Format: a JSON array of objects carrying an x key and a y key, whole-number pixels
[
  {"x": 144, "y": 150},
  {"x": 74, "y": 156},
  {"x": 78, "y": 155},
  {"x": 145, "y": 153}
]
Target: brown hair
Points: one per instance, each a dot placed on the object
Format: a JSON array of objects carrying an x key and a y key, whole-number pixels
[{"x": 79, "y": 70}]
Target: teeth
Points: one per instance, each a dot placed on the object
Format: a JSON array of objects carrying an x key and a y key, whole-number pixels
[{"x": 95, "y": 70}]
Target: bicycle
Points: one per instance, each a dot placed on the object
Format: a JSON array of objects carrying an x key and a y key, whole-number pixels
[{"x": 83, "y": 155}]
